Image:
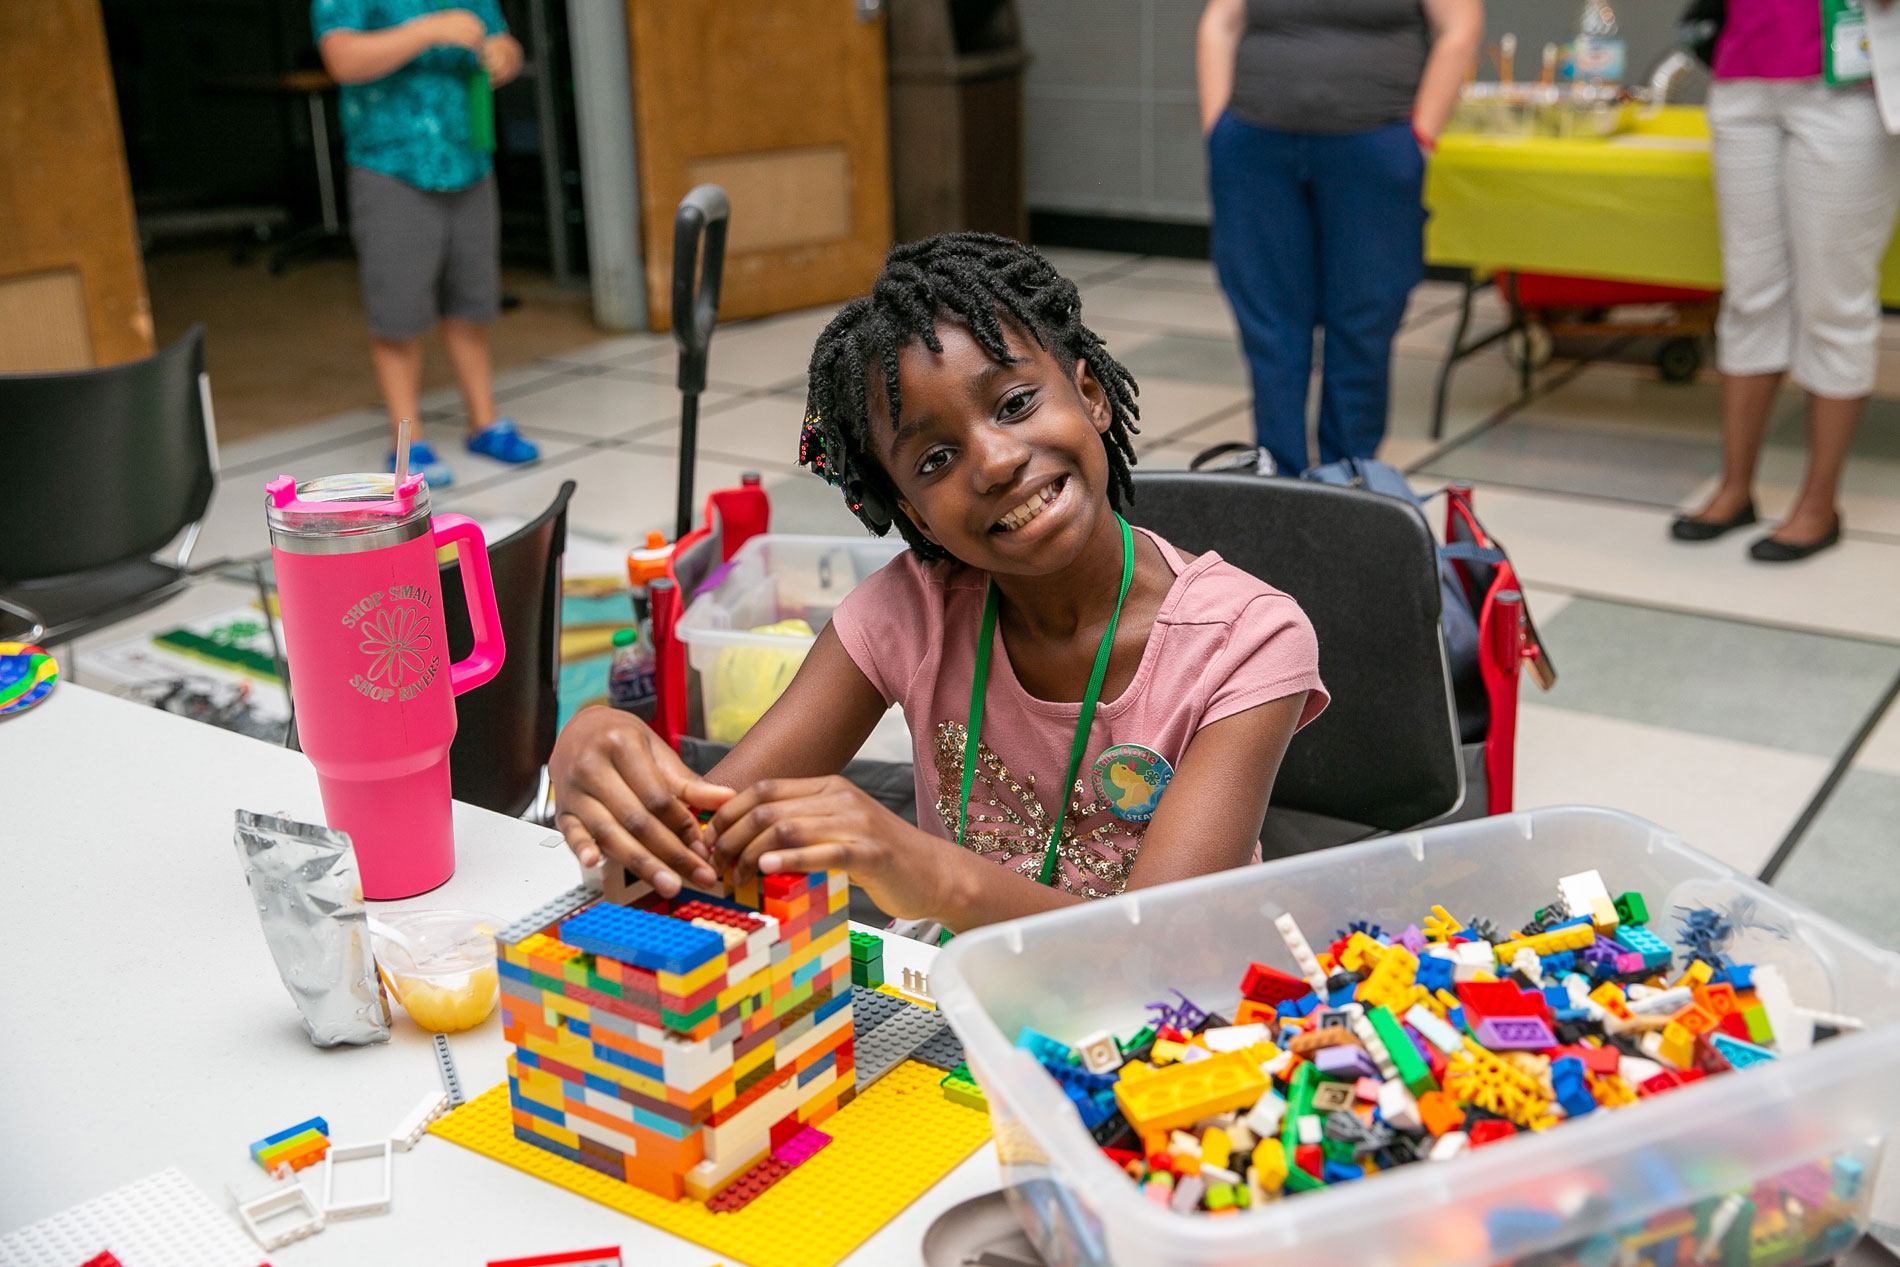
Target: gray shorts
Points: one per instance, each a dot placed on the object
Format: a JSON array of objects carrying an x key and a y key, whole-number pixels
[{"x": 425, "y": 254}]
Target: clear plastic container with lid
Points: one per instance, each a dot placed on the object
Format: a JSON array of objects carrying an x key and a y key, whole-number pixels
[{"x": 1581, "y": 1192}]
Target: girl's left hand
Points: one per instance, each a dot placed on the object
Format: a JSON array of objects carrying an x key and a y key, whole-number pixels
[
  {"x": 829, "y": 824},
  {"x": 501, "y": 58}
]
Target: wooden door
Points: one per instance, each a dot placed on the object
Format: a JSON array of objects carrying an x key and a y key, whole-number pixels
[
  {"x": 72, "y": 282},
  {"x": 783, "y": 104}
]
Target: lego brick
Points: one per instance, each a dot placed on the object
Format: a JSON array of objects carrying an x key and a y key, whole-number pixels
[
  {"x": 445, "y": 1065},
  {"x": 382, "y": 1150},
  {"x": 161, "y": 1219},
  {"x": 871, "y": 1008},
  {"x": 608, "y": 1256},
  {"x": 432, "y": 1105},
  {"x": 547, "y": 915},
  {"x": 1185, "y": 1093},
  {"x": 884, "y": 1048},
  {"x": 943, "y": 1050},
  {"x": 655, "y": 942},
  {"x": 271, "y": 1205}
]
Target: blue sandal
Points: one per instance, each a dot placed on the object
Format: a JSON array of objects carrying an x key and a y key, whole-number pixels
[
  {"x": 424, "y": 462},
  {"x": 503, "y": 443}
]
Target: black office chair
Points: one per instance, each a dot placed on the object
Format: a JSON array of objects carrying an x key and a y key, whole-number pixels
[
  {"x": 106, "y": 467},
  {"x": 505, "y": 728},
  {"x": 1385, "y": 753}
]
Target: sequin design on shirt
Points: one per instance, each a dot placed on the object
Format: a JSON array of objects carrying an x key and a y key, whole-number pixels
[{"x": 1009, "y": 824}]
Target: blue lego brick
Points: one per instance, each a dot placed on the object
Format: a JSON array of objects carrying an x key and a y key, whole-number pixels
[
  {"x": 1081, "y": 1079},
  {"x": 1556, "y": 996},
  {"x": 514, "y": 972},
  {"x": 839, "y": 1000},
  {"x": 1848, "y": 1173},
  {"x": 1302, "y": 1006},
  {"x": 1741, "y": 975},
  {"x": 593, "y": 1080},
  {"x": 1342, "y": 996},
  {"x": 1738, "y": 1053},
  {"x": 316, "y": 1124},
  {"x": 534, "y": 1108},
  {"x": 1561, "y": 962},
  {"x": 547, "y": 1145},
  {"x": 818, "y": 1069},
  {"x": 641, "y": 938},
  {"x": 580, "y": 1029},
  {"x": 1639, "y": 940},
  {"x": 1341, "y": 1171},
  {"x": 1434, "y": 973},
  {"x": 612, "y": 1056},
  {"x": 663, "y": 1125},
  {"x": 1664, "y": 1252},
  {"x": 1514, "y": 1226},
  {"x": 801, "y": 975},
  {"x": 1456, "y": 1016},
  {"x": 1044, "y": 1048}
]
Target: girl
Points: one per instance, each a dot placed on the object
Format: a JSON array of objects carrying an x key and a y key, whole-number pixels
[{"x": 1029, "y": 632}]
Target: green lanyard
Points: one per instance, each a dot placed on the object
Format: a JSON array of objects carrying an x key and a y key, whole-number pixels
[{"x": 980, "y": 682}]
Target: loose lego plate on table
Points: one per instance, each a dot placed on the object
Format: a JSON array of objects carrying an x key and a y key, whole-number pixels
[
  {"x": 889, "y": 1146},
  {"x": 27, "y": 673}
]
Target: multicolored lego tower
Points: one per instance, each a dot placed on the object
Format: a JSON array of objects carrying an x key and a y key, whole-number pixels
[{"x": 676, "y": 1045}]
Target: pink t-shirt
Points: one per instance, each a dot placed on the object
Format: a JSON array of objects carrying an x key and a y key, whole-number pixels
[
  {"x": 1222, "y": 643},
  {"x": 1769, "y": 39}
]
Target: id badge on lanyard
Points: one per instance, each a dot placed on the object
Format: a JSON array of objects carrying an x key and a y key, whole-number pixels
[{"x": 1846, "y": 57}]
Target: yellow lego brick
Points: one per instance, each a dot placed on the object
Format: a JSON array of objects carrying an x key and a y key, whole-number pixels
[
  {"x": 1698, "y": 973},
  {"x": 1439, "y": 925},
  {"x": 1678, "y": 1046},
  {"x": 561, "y": 1005},
  {"x": 1603, "y": 916},
  {"x": 762, "y": 1054},
  {"x": 1183, "y": 1094},
  {"x": 894, "y": 992},
  {"x": 1269, "y": 1166},
  {"x": 1557, "y": 940},
  {"x": 839, "y": 900},
  {"x": 1609, "y": 996},
  {"x": 1360, "y": 952},
  {"x": 698, "y": 979},
  {"x": 1390, "y": 985},
  {"x": 889, "y": 1145},
  {"x": 1166, "y": 1052}
]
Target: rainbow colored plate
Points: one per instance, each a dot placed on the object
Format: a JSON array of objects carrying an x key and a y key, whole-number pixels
[{"x": 27, "y": 673}]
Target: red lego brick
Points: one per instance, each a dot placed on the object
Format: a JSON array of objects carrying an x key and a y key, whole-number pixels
[
  {"x": 103, "y": 1258},
  {"x": 1489, "y": 1130},
  {"x": 1271, "y": 986},
  {"x": 1312, "y": 1159},
  {"x": 741, "y": 1191},
  {"x": 1484, "y": 999}
]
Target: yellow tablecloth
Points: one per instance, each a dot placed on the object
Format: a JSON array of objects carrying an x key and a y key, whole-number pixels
[{"x": 1640, "y": 206}]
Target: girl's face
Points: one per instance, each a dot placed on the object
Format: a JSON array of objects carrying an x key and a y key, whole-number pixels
[{"x": 1001, "y": 466}]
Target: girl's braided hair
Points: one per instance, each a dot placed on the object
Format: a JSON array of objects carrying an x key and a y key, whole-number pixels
[{"x": 979, "y": 281}]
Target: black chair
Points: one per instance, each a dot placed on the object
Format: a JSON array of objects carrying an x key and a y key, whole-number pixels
[
  {"x": 108, "y": 466},
  {"x": 505, "y": 727},
  {"x": 1385, "y": 754}
]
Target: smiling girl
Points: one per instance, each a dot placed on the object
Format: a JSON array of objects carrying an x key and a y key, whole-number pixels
[{"x": 1049, "y": 659}]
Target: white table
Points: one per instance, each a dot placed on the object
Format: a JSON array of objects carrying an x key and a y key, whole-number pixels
[{"x": 145, "y": 1024}]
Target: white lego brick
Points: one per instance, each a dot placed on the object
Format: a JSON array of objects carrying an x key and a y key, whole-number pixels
[
  {"x": 1234, "y": 1037},
  {"x": 1527, "y": 962},
  {"x": 1575, "y": 892},
  {"x": 607, "y": 1135},
  {"x": 1266, "y": 1116},
  {"x": 1449, "y": 1145},
  {"x": 833, "y": 953},
  {"x": 787, "y": 1052},
  {"x": 1634, "y": 1070},
  {"x": 1277, "y": 1065},
  {"x": 731, "y": 936},
  {"x": 1475, "y": 954},
  {"x": 1438, "y": 1033},
  {"x": 415, "y": 1123},
  {"x": 595, "y": 1098},
  {"x": 262, "y": 1216},
  {"x": 377, "y": 1202},
  {"x": 1100, "y": 1052},
  {"x": 1793, "y": 1031},
  {"x": 740, "y": 1135},
  {"x": 1662, "y": 1002},
  {"x": 1397, "y": 1106},
  {"x": 162, "y": 1220},
  {"x": 1302, "y": 953},
  {"x": 1311, "y": 1129}
]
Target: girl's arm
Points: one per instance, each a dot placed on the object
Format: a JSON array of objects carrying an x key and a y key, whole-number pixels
[
  {"x": 1209, "y": 820},
  {"x": 358, "y": 57},
  {"x": 1457, "y": 26},
  {"x": 1222, "y": 24},
  {"x": 622, "y": 793}
]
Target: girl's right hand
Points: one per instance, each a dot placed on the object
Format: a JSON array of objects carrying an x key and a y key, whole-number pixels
[
  {"x": 621, "y": 793},
  {"x": 457, "y": 27}
]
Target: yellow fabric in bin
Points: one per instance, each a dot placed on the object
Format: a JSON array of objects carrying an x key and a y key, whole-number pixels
[
  {"x": 1636, "y": 207},
  {"x": 745, "y": 681}
]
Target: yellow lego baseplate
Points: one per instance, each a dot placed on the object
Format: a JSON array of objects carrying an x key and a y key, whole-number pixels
[{"x": 888, "y": 1146}]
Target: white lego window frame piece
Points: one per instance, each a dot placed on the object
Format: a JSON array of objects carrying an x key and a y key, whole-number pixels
[
  {"x": 376, "y": 1204},
  {"x": 255, "y": 1211}
]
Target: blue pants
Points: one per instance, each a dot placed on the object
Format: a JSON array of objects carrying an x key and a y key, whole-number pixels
[{"x": 1315, "y": 230}]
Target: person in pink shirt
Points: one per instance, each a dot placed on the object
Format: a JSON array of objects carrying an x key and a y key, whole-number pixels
[
  {"x": 1807, "y": 183},
  {"x": 1090, "y": 710}
]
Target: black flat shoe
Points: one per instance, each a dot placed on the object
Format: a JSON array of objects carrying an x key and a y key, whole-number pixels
[
  {"x": 1687, "y": 529},
  {"x": 1769, "y": 550}
]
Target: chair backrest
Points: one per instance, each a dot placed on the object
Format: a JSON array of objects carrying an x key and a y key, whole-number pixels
[
  {"x": 505, "y": 727},
  {"x": 105, "y": 465},
  {"x": 1385, "y": 752}
]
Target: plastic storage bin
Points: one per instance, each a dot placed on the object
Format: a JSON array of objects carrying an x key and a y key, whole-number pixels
[
  {"x": 777, "y": 577},
  {"x": 1091, "y": 967}
]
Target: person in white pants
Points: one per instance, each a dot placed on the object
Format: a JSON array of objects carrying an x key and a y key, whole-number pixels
[{"x": 1808, "y": 187}]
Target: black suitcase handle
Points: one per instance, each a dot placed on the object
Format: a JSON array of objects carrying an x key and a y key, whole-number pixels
[{"x": 704, "y": 212}]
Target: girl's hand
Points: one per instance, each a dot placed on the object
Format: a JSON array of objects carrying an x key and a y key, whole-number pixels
[
  {"x": 456, "y": 27},
  {"x": 501, "y": 58},
  {"x": 621, "y": 793},
  {"x": 829, "y": 824}
]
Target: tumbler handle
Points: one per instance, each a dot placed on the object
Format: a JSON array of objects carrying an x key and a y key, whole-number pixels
[{"x": 478, "y": 587}]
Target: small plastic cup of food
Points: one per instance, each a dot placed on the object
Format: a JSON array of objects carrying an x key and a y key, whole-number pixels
[{"x": 440, "y": 965}]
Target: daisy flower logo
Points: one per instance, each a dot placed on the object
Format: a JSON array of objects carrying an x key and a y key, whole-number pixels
[{"x": 396, "y": 639}]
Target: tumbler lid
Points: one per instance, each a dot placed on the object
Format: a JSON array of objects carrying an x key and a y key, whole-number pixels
[{"x": 343, "y": 514}]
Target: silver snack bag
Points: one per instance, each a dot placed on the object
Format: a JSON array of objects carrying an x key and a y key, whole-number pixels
[{"x": 310, "y": 901}]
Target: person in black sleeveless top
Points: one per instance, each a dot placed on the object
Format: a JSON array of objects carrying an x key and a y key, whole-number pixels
[{"x": 1320, "y": 116}]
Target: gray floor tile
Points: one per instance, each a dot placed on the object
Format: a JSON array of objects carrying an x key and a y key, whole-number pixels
[
  {"x": 1193, "y": 358},
  {"x": 1660, "y": 470},
  {"x": 1877, "y": 437},
  {"x": 1775, "y": 688},
  {"x": 1844, "y": 865}
]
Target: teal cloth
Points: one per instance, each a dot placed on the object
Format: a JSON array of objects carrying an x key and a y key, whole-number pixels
[{"x": 412, "y": 124}]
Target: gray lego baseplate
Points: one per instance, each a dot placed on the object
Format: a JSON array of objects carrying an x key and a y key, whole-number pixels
[
  {"x": 943, "y": 1051},
  {"x": 547, "y": 914}
]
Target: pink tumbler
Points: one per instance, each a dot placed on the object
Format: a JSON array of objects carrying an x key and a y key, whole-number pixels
[{"x": 368, "y": 648}]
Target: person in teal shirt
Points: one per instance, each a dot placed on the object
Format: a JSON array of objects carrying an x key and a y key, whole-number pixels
[{"x": 423, "y": 210}]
